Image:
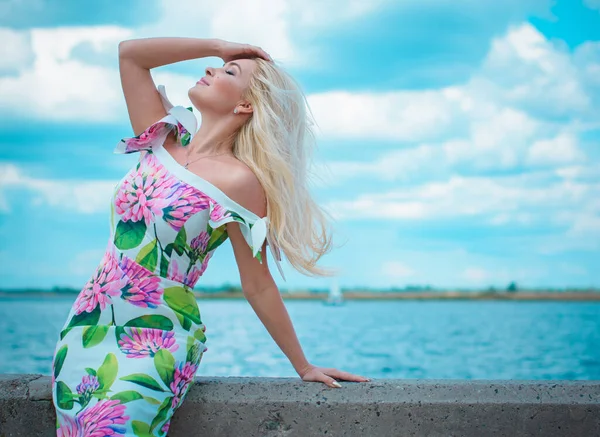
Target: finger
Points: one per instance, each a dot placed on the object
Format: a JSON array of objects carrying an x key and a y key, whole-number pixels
[
  {"x": 260, "y": 52},
  {"x": 331, "y": 382},
  {"x": 346, "y": 376}
]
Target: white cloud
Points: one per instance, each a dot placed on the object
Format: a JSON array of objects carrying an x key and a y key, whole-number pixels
[
  {"x": 16, "y": 52},
  {"x": 83, "y": 196},
  {"x": 396, "y": 269},
  {"x": 523, "y": 68},
  {"x": 399, "y": 115},
  {"x": 530, "y": 199},
  {"x": 475, "y": 274},
  {"x": 526, "y": 107},
  {"x": 559, "y": 150},
  {"x": 524, "y": 83},
  {"x": 57, "y": 87},
  {"x": 274, "y": 25},
  {"x": 587, "y": 172},
  {"x": 54, "y": 84}
]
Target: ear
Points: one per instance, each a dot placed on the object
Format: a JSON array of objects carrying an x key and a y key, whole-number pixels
[{"x": 245, "y": 107}]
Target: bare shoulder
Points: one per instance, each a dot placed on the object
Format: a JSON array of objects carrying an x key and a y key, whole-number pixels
[{"x": 245, "y": 189}]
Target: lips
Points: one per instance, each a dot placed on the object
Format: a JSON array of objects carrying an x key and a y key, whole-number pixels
[{"x": 202, "y": 82}]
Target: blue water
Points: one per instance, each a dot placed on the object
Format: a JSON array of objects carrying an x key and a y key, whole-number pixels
[{"x": 379, "y": 339}]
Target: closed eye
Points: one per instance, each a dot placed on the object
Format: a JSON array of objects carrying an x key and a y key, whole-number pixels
[{"x": 229, "y": 72}]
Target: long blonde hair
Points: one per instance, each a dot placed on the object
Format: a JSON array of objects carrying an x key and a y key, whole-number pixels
[{"x": 277, "y": 144}]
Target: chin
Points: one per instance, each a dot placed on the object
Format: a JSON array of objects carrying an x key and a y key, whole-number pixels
[{"x": 196, "y": 97}]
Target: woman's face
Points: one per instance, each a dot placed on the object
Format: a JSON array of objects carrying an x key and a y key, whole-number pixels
[{"x": 222, "y": 92}]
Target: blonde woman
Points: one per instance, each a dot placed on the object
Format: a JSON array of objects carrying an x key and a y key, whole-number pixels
[{"x": 134, "y": 338}]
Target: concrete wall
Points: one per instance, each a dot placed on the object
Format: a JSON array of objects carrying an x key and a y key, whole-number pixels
[{"x": 246, "y": 407}]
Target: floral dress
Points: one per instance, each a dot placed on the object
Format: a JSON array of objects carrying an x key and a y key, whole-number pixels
[{"x": 134, "y": 337}]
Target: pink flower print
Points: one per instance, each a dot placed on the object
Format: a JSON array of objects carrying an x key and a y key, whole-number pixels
[
  {"x": 200, "y": 243},
  {"x": 183, "y": 375},
  {"x": 68, "y": 426},
  {"x": 145, "y": 342},
  {"x": 106, "y": 282},
  {"x": 88, "y": 385},
  {"x": 143, "y": 288},
  {"x": 218, "y": 213},
  {"x": 185, "y": 202},
  {"x": 145, "y": 193},
  {"x": 205, "y": 262},
  {"x": 195, "y": 272},
  {"x": 174, "y": 273},
  {"x": 182, "y": 129},
  {"x": 192, "y": 277},
  {"x": 165, "y": 428},
  {"x": 144, "y": 139},
  {"x": 106, "y": 418}
]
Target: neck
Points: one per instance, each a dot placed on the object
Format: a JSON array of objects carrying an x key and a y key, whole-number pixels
[{"x": 215, "y": 136}]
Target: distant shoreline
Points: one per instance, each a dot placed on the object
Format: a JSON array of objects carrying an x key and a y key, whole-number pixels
[{"x": 404, "y": 295}]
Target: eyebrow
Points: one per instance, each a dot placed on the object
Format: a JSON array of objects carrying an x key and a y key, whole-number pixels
[{"x": 234, "y": 63}]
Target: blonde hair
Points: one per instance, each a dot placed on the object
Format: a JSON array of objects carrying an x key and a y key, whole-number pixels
[{"x": 277, "y": 144}]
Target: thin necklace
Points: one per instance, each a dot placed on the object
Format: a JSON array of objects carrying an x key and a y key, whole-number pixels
[{"x": 187, "y": 162}]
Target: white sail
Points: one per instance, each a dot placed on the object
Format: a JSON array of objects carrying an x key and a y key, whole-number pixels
[{"x": 335, "y": 294}]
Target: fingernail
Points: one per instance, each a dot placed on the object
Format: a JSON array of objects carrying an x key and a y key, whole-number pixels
[{"x": 336, "y": 384}]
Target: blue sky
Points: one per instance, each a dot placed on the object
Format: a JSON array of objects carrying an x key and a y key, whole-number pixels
[{"x": 459, "y": 141}]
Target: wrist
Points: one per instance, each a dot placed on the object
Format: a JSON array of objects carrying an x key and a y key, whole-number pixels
[
  {"x": 302, "y": 370},
  {"x": 217, "y": 47}
]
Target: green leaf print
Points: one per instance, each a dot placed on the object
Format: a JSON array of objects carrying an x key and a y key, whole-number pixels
[
  {"x": 148, "y": 255},
  {"x": 182, "y": 301},
  {"x": 199, "y": 335},
  {"x": 143, "y": 380},
  {"x": 83, "y": 319},
  {"x": 185, "y": 139},
  {"x": 107, "y": 372},
  {"x": 118, "y": 332},
  {"x": 180, "y": 242},
  {"x": 164, "y": 265},
  {"x": 141, "y": 429},
  {"x": 161, "y": 416},
  {"x": 64, "y": 332},
  {"x": 155, "y": 321},
  {"x": 190, "y": 349},
  {"x": 64, "y": 396},
  {"x": 129, "y": 234},
  {"x": 169, "y": 249},
  {"x": 90, "y": 371},
  {"x": 127, "y": 396},
  {"x": 93, "y": 335},
  {"x": 164, "y": 362},
  {"x": 151, "y": 400},
  {"x": 60, "y": 359},
  {"x": 218, "y": 236},
  {"x": 185, "y": 322}
]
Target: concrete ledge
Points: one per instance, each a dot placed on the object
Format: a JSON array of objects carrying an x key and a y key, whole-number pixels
[{"x": 267, "y": 407}]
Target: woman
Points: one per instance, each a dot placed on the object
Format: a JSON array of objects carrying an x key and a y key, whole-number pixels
[{"x": 134, "y": 337}]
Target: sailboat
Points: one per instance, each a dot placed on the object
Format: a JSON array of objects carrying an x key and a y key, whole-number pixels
[{"x": 335, "y": 296}]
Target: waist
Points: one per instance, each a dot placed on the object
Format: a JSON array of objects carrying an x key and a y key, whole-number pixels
[{"x": 147, "y": 264}]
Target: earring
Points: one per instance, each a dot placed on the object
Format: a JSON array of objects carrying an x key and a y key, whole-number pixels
[{"x": 235, "y": 111}]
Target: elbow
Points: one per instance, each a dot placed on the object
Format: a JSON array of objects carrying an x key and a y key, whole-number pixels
[{"x": 122, "y": 47}]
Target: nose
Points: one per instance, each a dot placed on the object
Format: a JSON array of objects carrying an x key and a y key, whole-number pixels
[{"x": 209, "y": 71}]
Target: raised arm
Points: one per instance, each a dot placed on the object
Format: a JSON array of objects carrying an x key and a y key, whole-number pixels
[{"x": 138, "y": 56}]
